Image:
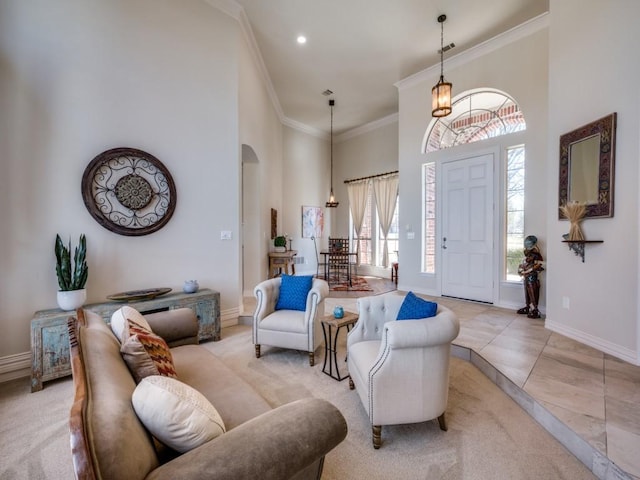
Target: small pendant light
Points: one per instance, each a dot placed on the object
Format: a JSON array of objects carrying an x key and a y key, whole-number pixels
[{"x": 332, "y": 200}]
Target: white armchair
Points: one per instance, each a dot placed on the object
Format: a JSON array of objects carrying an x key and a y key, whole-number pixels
[
  {"x": 292, "y": 329},
  {"x": 400, "y": 369}
]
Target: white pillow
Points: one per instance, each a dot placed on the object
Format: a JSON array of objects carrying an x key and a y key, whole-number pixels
[
  {"x": 175, "y": 413},
  {"x": 120, "y": 326}
]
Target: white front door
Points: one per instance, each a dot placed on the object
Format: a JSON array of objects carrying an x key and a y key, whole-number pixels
[{"x": 467, "y": 228}]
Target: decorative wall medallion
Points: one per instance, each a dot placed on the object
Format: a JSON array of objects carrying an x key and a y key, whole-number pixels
[{"x": 129, "y": 191}]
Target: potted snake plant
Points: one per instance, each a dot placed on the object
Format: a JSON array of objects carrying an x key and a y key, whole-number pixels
[{"x": 71, "y": 278}]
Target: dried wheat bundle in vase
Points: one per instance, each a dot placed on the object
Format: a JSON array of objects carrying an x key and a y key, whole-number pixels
[{"x": 574, "y": 211}]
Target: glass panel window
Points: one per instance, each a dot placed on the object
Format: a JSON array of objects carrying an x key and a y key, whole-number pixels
[
  {"x": 478, "y": 115},
  {"x": 515, "y": 212},
  {"x": 429, "y": 240}
]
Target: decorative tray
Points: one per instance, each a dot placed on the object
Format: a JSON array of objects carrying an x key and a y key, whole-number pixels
[{"x": 147, "y": 294}]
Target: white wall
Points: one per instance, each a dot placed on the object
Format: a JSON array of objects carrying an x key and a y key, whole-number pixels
[
  {"x": 305, "y": 182},
  {"x": 593, "y": 71},
  {"x": 77, "y": 78},
  {"x": 261, "y": 133},
  {"x": 369, "y": 153},
  {"x": 518, "y": 68},
  {"x": 372, "y": 152}
]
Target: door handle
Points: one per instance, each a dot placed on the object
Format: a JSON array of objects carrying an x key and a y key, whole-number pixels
[{"x": 444, "y": 243}]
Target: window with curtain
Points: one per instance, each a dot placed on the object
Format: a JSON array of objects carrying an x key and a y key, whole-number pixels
[
  {"x": 393, "y": 237},
  {"x": 365, "y": 244},
  {"x": 371, "y": 239}
]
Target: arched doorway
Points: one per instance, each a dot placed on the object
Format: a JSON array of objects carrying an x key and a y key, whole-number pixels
[{"x": 250, "y": 221}]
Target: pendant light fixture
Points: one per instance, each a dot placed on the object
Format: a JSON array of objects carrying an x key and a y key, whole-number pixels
[
  {"x": 441, "y": 93},
  {"x": 332, "y": 200}
]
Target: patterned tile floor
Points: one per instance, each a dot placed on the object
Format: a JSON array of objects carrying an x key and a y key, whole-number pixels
[{"x": 588, "y": 400}]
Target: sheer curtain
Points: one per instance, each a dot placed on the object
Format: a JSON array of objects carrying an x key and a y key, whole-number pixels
[
  {"x": 386, "y": 191},
  {"x": 358, "y": 192}
]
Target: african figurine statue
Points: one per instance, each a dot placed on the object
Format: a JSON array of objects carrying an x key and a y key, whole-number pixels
[{"x": 528, "y": 270}]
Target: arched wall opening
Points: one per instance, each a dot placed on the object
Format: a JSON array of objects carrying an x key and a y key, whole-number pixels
[{"x": 250, "y": 221}]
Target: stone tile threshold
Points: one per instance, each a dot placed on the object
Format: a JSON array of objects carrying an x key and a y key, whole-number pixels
[{"x": 599, "y": 464}]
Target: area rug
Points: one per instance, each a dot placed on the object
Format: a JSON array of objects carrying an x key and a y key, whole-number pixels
[{"x": 358, "y": 284}]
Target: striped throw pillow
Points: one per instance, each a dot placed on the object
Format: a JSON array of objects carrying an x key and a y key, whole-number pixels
[{"x": 146, "y": 353}]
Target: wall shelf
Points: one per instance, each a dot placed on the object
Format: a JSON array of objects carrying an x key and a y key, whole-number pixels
[{"x": 577, "y": 246}]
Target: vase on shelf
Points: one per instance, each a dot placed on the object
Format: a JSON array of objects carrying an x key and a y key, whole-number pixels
[
  {"x": 190, "y": 286},
  {"x": 71, "y": 299}
]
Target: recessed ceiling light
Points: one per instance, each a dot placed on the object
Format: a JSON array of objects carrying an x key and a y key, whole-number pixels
[{"x": 302, "y": 39}]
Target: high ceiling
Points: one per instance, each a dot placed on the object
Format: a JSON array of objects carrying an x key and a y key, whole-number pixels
[{"x": 360, "y": 48}]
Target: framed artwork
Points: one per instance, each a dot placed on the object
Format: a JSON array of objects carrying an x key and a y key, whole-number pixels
[
  {"x": 274, "y": 223},
  {"x": 312, "y": 222}
]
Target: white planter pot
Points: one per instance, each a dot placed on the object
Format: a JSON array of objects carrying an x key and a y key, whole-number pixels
[
  {"x": 280, "y": 249},
  {"x": 71, "y": 299}
]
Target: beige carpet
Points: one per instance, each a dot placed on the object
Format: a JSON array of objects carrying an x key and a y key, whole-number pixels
[{"x": 489, "y": 436}]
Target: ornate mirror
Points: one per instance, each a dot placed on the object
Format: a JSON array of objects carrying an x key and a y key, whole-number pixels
[
  {"x": 587, "y": 158},
  {"x": 128, "y": 191}
]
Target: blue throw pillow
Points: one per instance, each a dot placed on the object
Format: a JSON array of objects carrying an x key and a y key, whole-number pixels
[
  {"x": 414, "y": 308},
  {"x": 293, "y": 292}
]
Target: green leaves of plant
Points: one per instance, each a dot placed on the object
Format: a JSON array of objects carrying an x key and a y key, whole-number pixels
[{"x": 68, "y": 279}]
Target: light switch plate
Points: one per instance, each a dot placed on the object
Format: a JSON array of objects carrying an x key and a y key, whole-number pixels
[{"x": 225, "y": 235}]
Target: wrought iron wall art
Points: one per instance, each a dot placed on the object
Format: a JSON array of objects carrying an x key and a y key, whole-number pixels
[{"x": 129, "y": 191}]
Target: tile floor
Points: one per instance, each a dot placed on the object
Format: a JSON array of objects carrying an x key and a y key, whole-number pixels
[{"x": 588, "y": 400}]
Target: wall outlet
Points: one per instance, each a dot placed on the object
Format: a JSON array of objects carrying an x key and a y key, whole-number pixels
[
  {"x": 411, "y": 235},
  {"x": 225, "y": 235},
  {"x": 565, "y": 302}
]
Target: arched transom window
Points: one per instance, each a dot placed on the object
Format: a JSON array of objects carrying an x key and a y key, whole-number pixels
[{"x": 476, "y": 115}]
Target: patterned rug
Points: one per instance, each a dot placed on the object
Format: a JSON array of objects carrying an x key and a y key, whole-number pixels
[{"x": 358, "y": 284}]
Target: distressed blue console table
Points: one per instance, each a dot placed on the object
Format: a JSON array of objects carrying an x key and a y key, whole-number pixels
[{"x": 50, "y": 338}]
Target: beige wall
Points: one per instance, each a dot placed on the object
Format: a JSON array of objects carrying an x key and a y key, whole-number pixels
[
  {"x": 369, "y": 153},
  {"x": 262, "y": 145},
  {"x": 305, "y": 179},
  {"x": 77, "y": 78},
  {"x": 593, "y": 72}
]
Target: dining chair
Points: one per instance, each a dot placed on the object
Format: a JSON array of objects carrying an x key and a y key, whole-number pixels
[{"x": 339, "y": 258}]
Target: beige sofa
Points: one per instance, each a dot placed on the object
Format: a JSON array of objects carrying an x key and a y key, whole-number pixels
[{"x": 109, "y": 442}]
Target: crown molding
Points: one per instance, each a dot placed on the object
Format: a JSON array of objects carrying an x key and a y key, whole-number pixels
[
  {"x": 367, "y": 127},
  {"x": 236, "y": 11},
  {"x": 229, "y": 7},
  {"x": 477, "y": 51},
  {"x": 304, "y": 128}
]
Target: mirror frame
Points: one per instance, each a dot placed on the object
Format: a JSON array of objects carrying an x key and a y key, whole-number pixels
[{"x": 606, "y": 128}]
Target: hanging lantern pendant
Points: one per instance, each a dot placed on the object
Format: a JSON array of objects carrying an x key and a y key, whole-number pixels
[{"x": 441, "y": 92}]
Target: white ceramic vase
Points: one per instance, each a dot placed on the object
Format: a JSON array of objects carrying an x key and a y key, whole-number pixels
[{"x": 72, "y": 299}]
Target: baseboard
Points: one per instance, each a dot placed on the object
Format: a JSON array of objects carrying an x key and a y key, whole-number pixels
[
  {"x": 15, "y": 366},
  {"x": 613, "y": 349},
  {"x": 229, "y": 317}
]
